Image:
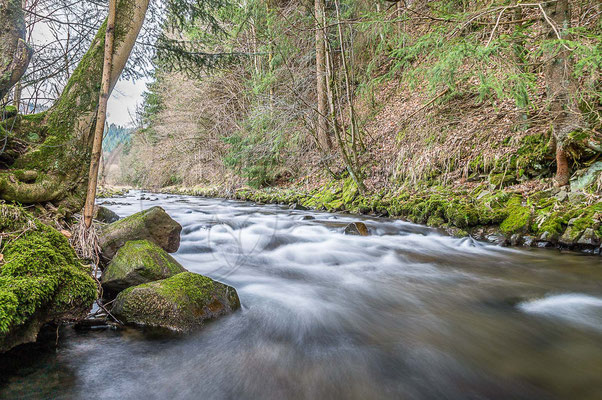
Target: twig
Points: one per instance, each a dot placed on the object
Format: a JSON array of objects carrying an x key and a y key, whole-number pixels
[
  {"x": 497, "y": 23},
  {"x": 553, "y": 27}
]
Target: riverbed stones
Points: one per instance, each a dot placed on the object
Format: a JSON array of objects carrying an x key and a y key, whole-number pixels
[
  {"x": 182, "y": 303},
  {"x": 589, "y": 238},
  {"x": 138, "y": 262},
  {"x": 154, "y": 225},
  {"x": 570, "y": 236},
  {"x": 357, "y": 229}
]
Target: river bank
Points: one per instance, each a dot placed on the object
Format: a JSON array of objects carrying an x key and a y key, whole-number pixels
[{"x": 546, "y": 218}]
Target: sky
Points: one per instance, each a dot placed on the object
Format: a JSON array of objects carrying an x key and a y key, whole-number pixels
[{"x": 126, "y": 96}]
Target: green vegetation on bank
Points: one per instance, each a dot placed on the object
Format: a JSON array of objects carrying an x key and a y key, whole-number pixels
[{"x": 549, "y": 217}]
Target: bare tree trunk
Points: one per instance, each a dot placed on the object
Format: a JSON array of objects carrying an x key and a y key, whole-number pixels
[
  {"x": 17, "y": 95},
  {"x": 102, "y": 115},
  {"x": 322, "y": 123},
  {"x": 561, "y": 88},
  {"x": 14, "y": 52}
]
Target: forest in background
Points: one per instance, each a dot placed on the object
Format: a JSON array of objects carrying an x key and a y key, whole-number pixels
[{"x": 393, "y": 95}]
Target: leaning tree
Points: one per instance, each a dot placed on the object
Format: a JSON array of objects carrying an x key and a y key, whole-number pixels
[{"x": 44, "y": 157}]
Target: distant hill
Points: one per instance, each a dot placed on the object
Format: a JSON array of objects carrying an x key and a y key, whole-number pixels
[{"x": 114, "y": 136}]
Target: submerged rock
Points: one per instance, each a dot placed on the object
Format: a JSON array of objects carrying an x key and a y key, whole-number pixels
[
  {"x": 357, "y": 229},
  {"x": 153, "y": 224},
  {"x": 103, "y": 214},
  {"x": 181, "y": 303},
  {"x": 138, "y": 262}
]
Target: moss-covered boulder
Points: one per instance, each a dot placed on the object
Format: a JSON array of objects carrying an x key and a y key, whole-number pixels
[
  {"x": 154, "y": 225},
  {"x": 103, "y": 214},
  {"x": 181, "y": 303},
  {"x": 138, "y": 262},
  {"x": 41, "y": 279}
]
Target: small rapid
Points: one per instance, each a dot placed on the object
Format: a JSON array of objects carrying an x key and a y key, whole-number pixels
[{"x": 405, "y": 313}]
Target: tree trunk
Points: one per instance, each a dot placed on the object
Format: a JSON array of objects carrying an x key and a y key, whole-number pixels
[
  {"x": 561, "y": 88},
  {"x": 62, "y": 157},
  {"x": 102, "y": 115},
  {"x": 14, "y": 52},
  {"x": 322, "y": 123}
]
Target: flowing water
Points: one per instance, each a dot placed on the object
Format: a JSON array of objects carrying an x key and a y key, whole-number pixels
[{"x": 406, "y": 313}]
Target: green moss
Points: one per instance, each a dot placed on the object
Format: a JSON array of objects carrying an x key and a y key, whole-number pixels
[
  {"x": 518, "y": 218},
  {"x": 40, "y": 271},
  {"x": 9, "y": 111},
  {"x": 139, "y": 262},
  {"x": 180, "y": 303},
  {"x": 187, "y": 287}
]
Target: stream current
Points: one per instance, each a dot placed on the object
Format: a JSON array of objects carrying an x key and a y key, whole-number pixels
[{"x": 406, "y": 313}]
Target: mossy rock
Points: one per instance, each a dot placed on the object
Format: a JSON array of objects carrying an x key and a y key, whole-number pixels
[
  {"x": 357, "y": 229},
  {"x": 9, "y": 112},
  {"x": 589, "y": 238},
  {"x": 182, "y": 303},
  {"x": 501, "y": 180},
  {"x": 519, "y": 217},
  {"x": 138, "y": 262},
  {"x": 41, "y": 279},
  {"x": 570, "y": 236},
  {"x": 103, "y": 214},
  {"x": 153, "y": 224}
]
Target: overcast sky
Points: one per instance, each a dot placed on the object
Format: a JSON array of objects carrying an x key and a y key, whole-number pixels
[{"x": 124, "y": 99}]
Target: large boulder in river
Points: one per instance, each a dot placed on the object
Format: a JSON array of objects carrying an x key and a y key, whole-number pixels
[
  {"x": 154, "y": 225},
  {"x": 181, "y": 303},
  {"x": 138, "y": 262}
]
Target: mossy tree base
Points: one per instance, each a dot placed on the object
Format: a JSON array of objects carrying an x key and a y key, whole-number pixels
[{"x": 57, "y": 144}]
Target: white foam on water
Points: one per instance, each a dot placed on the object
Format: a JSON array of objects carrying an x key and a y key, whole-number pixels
[{"x": 576, "y": 308}]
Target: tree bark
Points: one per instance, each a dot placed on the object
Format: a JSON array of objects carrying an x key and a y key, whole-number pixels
[
  {"x": 62, "y": 157},
  {"x": 102, "y": 115},
  {"x": 561, "y": 88},
  {"x": 322, "y": 122},
  {"x": 15, "y": 54}
]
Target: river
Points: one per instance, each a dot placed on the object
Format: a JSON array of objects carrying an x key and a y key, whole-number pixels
[{"x": 406, "y": 313}]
